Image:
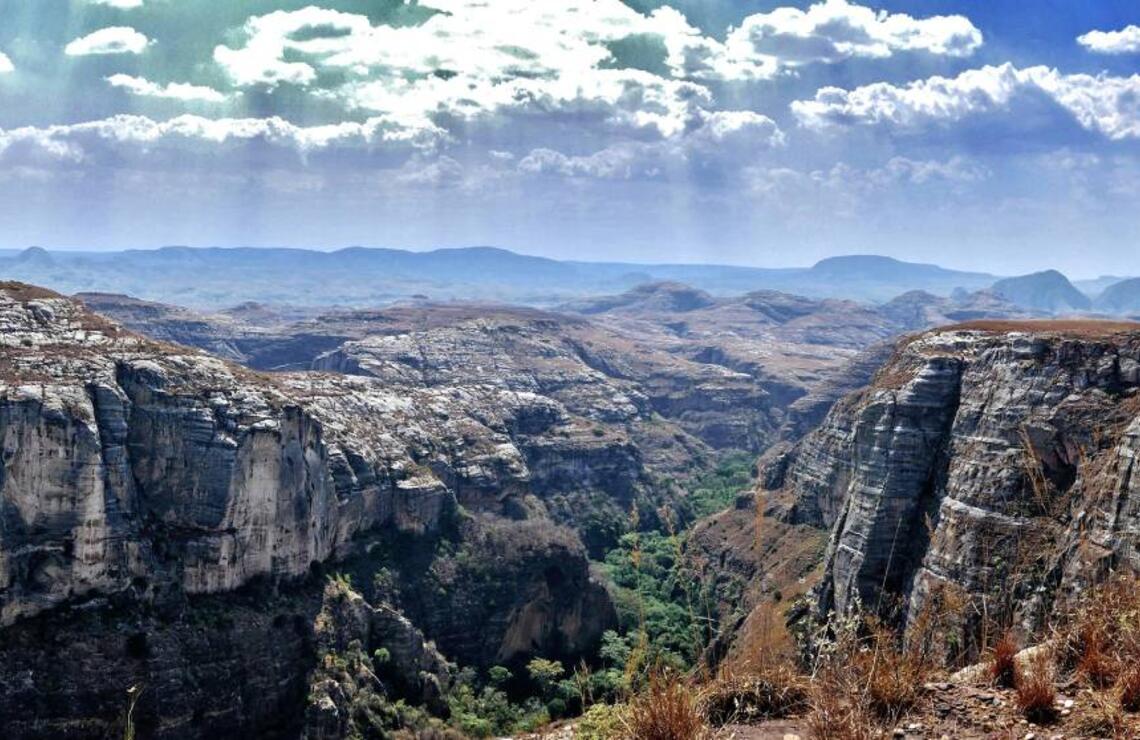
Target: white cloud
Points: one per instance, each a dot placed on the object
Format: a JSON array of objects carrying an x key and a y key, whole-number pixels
[
  {"x": 70, "y": 142},
  {"x": 173, "y": 91},
  {"x": 1104, "y": 104},
  {"x": 1124, "y": 41},
  {"x": 723, "y": 138},
  {"x": 112, "y": 40},
  {"x": 475, "y": 58},
  {"x": 6, "y": 64},
  {"x": 471, "y": 59},
  {"x": 835, "y": 30},
  {"x": 122, "y": 4}
]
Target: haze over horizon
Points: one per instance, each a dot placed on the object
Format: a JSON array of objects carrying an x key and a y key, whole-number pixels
[{"x": 972, "y": 135}]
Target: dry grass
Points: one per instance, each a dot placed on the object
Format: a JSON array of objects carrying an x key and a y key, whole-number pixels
[
  {"x": 1128, "y": 688},
  {"x": 838, "y": 717},
  {"x": 667, "y": 710},
  {"x": 25, "y": 292},
  {"x": 867, "y": 678},
  {"x": 1102, "y": 717},
  {"x": 778, "y": 692},
  {"x": 1036, "y": 687},
  {"x": 1071, "y": 327},
  {"x": 1102, "y": 638},
  {"x": 1003, "y": 661},
  {"x": 894, "y": 676}
]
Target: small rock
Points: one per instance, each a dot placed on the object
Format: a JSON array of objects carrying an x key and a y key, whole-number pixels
[{"x": 1067, "y": 704}]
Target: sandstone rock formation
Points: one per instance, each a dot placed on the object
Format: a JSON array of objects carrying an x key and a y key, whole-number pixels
[
  {"x": 140, "y": 480},
  {"x": 996, "y": 459}
]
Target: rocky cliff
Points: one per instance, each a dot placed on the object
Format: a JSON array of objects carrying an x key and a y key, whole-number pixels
[
  {"x": 997, "y": 459},
  {"x": 140, "y": 480}
]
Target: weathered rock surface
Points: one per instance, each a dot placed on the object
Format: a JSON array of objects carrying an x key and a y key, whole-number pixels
[
  {"x": 996, "y": 460},
  {"x": 155, "y": 475}
]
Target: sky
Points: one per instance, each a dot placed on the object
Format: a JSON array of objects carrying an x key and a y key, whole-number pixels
[{"x": 998, "y": 135}]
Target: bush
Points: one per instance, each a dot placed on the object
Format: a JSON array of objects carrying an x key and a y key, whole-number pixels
[{"x": 602, "y": 722}]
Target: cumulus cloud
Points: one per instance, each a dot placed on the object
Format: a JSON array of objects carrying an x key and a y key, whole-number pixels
[
  {"x": 1105, "y": 104},
  {"x": 70, "y": 143},
  {"x": 6, "y": 64},
  {"x": 172, "y": 91},
  {"x": 1124, "y": 41},
  {"x": 473, "y": 58},
  {"x": 112, "y": 40},
  {"x": 835, "y": 30}
]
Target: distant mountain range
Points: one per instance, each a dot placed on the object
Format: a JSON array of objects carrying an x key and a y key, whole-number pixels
[{"x": 215, "y": 278}]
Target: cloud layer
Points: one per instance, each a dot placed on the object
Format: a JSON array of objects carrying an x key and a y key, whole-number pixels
[{"x": 1104, "y": 104}]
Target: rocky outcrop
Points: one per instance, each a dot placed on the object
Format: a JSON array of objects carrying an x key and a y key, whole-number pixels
[
  {"x": 996, "y": 460},
  {"x": 360, "y": 649},
  {"x": 152, "y": 477}
]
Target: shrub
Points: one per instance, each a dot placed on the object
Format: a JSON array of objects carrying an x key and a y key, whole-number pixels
[
  {"x": 666, "y": 710},
  {"x": 1035, "y": 684},
  {"x": 602, "y": 722}
]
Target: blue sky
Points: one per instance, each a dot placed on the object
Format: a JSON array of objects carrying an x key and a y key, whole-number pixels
[{"x": 982, "y": 134}]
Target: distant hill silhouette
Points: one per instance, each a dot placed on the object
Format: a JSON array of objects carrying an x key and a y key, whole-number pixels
[
  {"x": 217, "y": 278},
  {"x": 1048, "y": 291}
]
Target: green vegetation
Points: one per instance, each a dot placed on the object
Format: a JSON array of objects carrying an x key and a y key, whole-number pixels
[
  {"x": 716, "y": 491},
  {"x": 662, "y": 606},
  {"x": 662, "y": 627},
  {"x": 481, "y": 709}
]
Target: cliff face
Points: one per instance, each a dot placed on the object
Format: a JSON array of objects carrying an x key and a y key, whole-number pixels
[
  {"x": 137, "y": 478},
  {"x": 997, "y": 461}
]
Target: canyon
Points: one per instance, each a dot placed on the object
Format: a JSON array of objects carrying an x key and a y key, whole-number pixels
[{"x": 207, "y": 515}]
